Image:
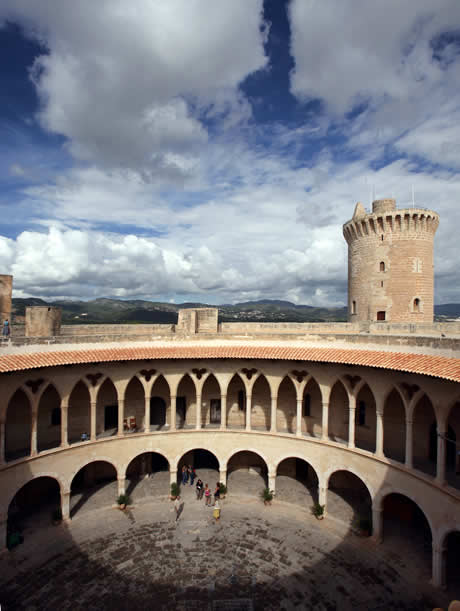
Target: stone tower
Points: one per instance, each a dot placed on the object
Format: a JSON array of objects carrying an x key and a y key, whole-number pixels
[
  {"x": 390, "y": 263},
  {"x": 6, "y": 291}
]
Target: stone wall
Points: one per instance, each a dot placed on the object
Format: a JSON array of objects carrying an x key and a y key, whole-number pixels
[
  {"x": 43, "y": 321},
  {"x": 6, "y": 288}
]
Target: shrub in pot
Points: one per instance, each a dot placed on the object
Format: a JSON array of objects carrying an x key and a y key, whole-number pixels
[
  {"x": 318, "y": 511},
  {"x": 123, "y": 500},
  {"x": 174, "y": 490},
  {"x": 267, "y": 496}
]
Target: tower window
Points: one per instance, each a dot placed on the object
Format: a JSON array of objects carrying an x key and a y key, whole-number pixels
[
  {"x": 56, "y": 416},
  {"x": 381, "y": 315},
  {"x": 306, "y": 405},
  {"x": 382, "y": 237},
  {"x": 382, "y": 266},
  {"x": 416, "y": 304},
  {"x": 381, "y": 284},
  {"x": 353, "y": 307}
]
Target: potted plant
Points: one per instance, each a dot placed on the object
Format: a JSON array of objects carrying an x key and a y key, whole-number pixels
[
  {"x": 267, "y": 496},
  {"x": 123, "y": 500},
  {"x": 363, "y": 526},
  {"x": 222, "y": 490},
  {"x": 318, "y": 511},
  {"x": 174, "y": 491},
  {"x": 56, "y": 516}
]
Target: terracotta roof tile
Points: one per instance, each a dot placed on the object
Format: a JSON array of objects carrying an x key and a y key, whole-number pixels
[{"x": 437, "y": 366}]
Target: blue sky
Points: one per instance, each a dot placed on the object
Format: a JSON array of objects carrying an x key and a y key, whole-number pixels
[{"x": 211, "y": 151}]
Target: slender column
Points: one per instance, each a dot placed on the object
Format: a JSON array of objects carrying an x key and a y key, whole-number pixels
[
  {"x": 93, "y": 420},
  {"x": 441, "y": 457},
  {"x": 223, "y": 412},
  {"x": 2, "y": 445},
  {"x": 273, "y": 414},
  {"x": 272, "y": 481},
  {"x": 325, "y": 420},
  {"x": 409, "y": 430},
  {"x": 198, "y": 411},
  {"x": 436, "y": 578},
  {"x": 377, "y": 525},
  {"x": 33, "y": 432},
  {"x": 172, "y": 425},
  {"x": 379, "y": 433},
  {"x": 298, "y": 422},
  {"x": 65, "y": 505},
  {"x": 322, "y": 497},
  {"x": 351, "y": 422},
  {"x": 147, "y": 415},
  {"x": 248, "y": 411},
  {"x": 223, "y": 476},
  {"x": 121, "y": 415},
  {"x": 172, "y": 476},
  {"x": 64, "y": 421},
  {"x": 121, "y": 485}
]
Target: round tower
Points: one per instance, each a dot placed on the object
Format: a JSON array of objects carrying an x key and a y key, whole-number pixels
[{"x": 390, "y": 263}]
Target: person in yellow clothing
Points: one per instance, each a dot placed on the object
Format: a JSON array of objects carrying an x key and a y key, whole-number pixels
[{"x": 216, "y": 511}]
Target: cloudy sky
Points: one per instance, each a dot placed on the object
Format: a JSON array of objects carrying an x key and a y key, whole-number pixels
[{"x": 210, "y": 150}]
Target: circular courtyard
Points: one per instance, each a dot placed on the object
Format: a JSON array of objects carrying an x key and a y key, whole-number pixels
[{"x": 256, "y": 557}]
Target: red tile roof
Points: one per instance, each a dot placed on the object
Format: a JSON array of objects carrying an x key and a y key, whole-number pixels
[{"x": 438, "y": 366}]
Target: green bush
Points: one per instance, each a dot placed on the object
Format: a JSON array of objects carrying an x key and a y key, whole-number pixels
[
  {"x": 123, "y": 499},
  {"x": 222, "y": 488},
  {"x": 317, "y": 510},
  {"x": 267, "y": 494},
  {"x": 175, "y": 489}
]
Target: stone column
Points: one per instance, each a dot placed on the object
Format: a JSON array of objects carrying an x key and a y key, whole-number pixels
[
  {"x": 198, "y": 411},
  {"x": 223, "y": 412},
  {"x": 322, "y": 497},
  {"x": 64, "y": 421},
  {"x": 351, "y": 422},
  {"x": 248, "y": 411},
  {"x": 121, "y": 485},
  {"x": 377, "y": 525},
  {"x": 65, "y": 505},
  {"x": 272, "y": 481},
  {"x": 298, "y": 425},
  {"x": 33, "y": 432},
  {"x": 2, "y": 445},
  {"x": 121, "y": 415},
  {"x": 147, "y": 415},
  {"x": 273, "y": 414},
  {"x": 325, "y": 420},
  {"x": 172, "y": 425},
  {"x": 437, "y": 572},
  {"x": 379, "y": 433},
  {"x": 409, "y": 431},
  {"x": 173, "y": 476},
  {"x": 223, "y": 476},
  {"x": 441, "y": 457},
  {"x": 93, "y": 420}
]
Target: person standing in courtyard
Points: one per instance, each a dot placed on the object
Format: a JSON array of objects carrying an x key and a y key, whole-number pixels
[
  {"x": 199, "y": 489},
  {"x": 192, "y": 474},
  {"x": 6, "y": 328},
  {"x": 184, "y": 474},
  {"x": 207, "y": 495},
  {"x": 217, "y": 492},
  {"x": 216, "y": 511},
  {"x": 177, "y": 507}
]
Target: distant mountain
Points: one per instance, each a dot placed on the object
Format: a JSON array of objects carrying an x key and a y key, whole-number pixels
[{"x": 104, "y": 310}]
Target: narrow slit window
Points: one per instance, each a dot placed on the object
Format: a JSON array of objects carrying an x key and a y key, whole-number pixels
[
  {"x": 416, "y": 304},
  {"x": 353, "y": 307},
  {"x": 382, "y": 266}
]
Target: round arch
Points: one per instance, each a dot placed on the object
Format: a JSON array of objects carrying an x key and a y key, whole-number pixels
[
  {"x": 349, "y": 498},
  {"x": 247, "y": 472},
  {"x": 27, "y": 480},
  {"x": 93, "y": 484},
  {"x": 380, "y": 498},
  {"x": 147, "y": 474},
  {"x": 125, "y": 467},
  {"x": 89, "y": 461},
  {"x": 187, "y": 456},
  {"x": 251, "y": 450},
  {"x": 297, "y": 481}
]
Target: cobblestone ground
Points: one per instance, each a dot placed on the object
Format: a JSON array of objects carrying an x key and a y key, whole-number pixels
[{"x": 277, "y": 557}]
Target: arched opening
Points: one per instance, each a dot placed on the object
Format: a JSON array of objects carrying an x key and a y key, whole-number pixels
[
  {"x": 186, "y": 403},
  {"x": 211, "y": 403},
  {"x": 349, "y": 500},
  {"x": 160, "y": 405},
  {"x": 261, "y": 405},
  {"x": 32, "y": 508},
  {"x": 382, "y": 266},
  {"x": 365, "y": 420},
  {"x": 451, "y": 567},
  {"x": 453, "y": 447},
  {"x": 247, "y": 473},
  {"x": 394, "y": 427},
  {"x": 312, "y": 409},
  {"x": 79, "y": 413},
  {"x": 338, "y": 413},
  {"x": 416, "y": 305},
  {"x": 206, "y": 468},
  {"x": 406, "y": 531},
  {"x": 134, "y": 406},
  {"x": 424, "y": 452},
  {"x": 296, "y": 482},
  {"x": 286, "y": 412},
  {"x": 147, "y": 475},
  {"x": 236, "y": 403},
  {"x": 18, "y": 427},
  {"x": 49, "y": 420},
  {"x": 94, "y": 486},
  {"x": 107, "y": 410}
]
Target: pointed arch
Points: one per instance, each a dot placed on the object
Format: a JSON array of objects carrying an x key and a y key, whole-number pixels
[
  {"x": 79, "y": 412},
  {"x": 49, "y": 419},
  {"x": 338, "y": 413},
  {"x": 107, "y": 409},
  {"x": 286, "y": 412},
  {"x": 18, "y": 426},
  {"x": 365, "y": 419},
  {"x": 134, "y": 406},
  {"x": 424, "y": 436},
  {"x": 211, "y": 402},
  {"x": 261, "y": 404},
  {"x": 236, "y": 402},
  {"x": 186, "y": 402},
  {"x": 312, "y": 409},
  {"x": 394, "y": 426}
]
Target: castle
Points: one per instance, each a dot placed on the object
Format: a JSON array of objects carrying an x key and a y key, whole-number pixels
[{"x": 371, "y": 406}]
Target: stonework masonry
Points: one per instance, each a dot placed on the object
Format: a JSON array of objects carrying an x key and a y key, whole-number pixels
[
  {"x": 390, "y": 263},
  {"x": 6, "y": 289},
  {"x": 42, "y": 321}
]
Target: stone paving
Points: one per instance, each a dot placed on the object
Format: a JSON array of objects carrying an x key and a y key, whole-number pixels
[{"x": 275, "y": 557}]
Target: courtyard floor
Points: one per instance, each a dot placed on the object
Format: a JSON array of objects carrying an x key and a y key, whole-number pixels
[{"x": 257, "y": 557}]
